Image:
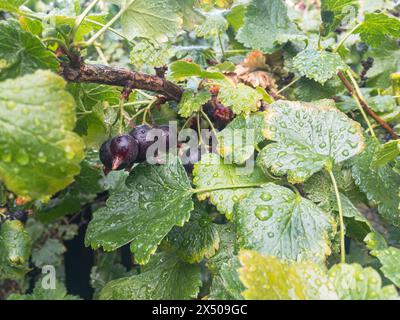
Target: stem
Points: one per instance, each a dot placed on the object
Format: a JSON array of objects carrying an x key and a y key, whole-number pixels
[
  {"x": 109, "y": 24},
  {"x": 79, "y": 19},
  {"x": 184, "y": 126},
  {"x": 121, "y": 115},
  {"x": 109, "y": 29},
  {"x": 288, "y": 85},
  {"x": 199, "y": 129},
  {"x": 370, "y": 127},
  {"x": 221, "y": 45},
  {"x": 357, "y": 96},
  {"x": 210, "y": 123},
  {"x": 341, "y": 223},
  {"x": 250, "y": 185},
  {"x": 346, "y": 37}
]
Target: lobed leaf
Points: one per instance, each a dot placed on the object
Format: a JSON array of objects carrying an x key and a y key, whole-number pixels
[
  {"x": 157, "y": 198},
  {"x": 235, "y": 182},
  {"x": 307, "y": 138},
  {"x": 274, "y": 220},
  {"x": 266, "y": 25},
  {"x": 268, "y": 278},
  {"x": 40, "y": 154},
  {"x": 164, "y": 278},
  {"x": 353, "y": 282}
]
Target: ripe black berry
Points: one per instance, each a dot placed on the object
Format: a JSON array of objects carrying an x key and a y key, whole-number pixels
[
  {"x": 140, "y": 134},
  {"x": 119, "y": 152},
  {"x": 189, "y": 157},
  {"x": 124, "y": 151},
  {"x": 105, "y": 154}
]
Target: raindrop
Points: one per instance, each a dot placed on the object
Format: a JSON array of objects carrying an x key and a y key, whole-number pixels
[
  {"x": 263, "y": 213},
  {"x": 270, "y": 234},
  {"x": 266, "y": 196},
  {"x": 22, "y": 157},
  {"x": 345, "y": 153},
  {"x": 41, "y": 157},
  {"x": 10, "y": 105}
]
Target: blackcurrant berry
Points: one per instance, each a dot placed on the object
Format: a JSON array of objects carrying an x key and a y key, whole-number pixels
[
  {"x": 105, "y": 154},
  {"x": 140, "y": 134},
  {"x": 189, "y": 157},
  {"x": 124, "y": 151}
]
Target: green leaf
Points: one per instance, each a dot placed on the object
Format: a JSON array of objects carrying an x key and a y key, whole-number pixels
[
  {"x": 386, "y": 153},
  {"x": 82, "y": 191},
  {"x": 380, "y": 184},
  {"x": 334, "y": 11},
  {"x": 274, "y": 220},
  {"x": 21, "y": 52},
  {"x": 147, "y": 53},
  {"x": 226, "y": 284},
  {"x": 40, "y": 154},
  {"x": 353, "y": 282},
  {"x": 318, "y": 65},
  {"x": 213, "y": 25},
  {"x": 197, "y": 239},
  {"x": 40, "y": 293},
  {"x": 106, "y": 269},
  {"x": 211, "y": 172},
  {"x": 386, "y": 61},
  {"x": 164, "y": 278},
  {"x": 310, "y": 90},
  {"x": 308, "y": 137},
  {"x": 241, "y": 98},
  {"x": 266, "y": 25},
  {"x": 237, "y": 140},
  {"x": 15, "y": 245},
  {"x": 50, "y": 253},
  {"x": 192, "y": 102},
  {"x": 180, "y": 70},
  {"x": 159, "y": 193},
  {"x": 390, "y": 260},
  {"x": 156, "y": 20},
  {"x": 268, "y": 278},
  {"x": 378, "y": 27},
  {"x": 11, "y": 5}
]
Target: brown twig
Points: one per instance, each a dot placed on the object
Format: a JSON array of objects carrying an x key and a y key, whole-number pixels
[
  {"x": 353, "y": 92},
  {"x": 121, "y": 77}
]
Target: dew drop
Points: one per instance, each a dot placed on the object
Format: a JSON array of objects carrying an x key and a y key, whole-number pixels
[
  {"x": 345, "y": 153},
  {"x": 41, "y": 157},
  {"x": 6, "y": 156},
  {"x": 22, "y": 157},
  {"x": 263, "y": 213},
  {"x": 270, "y": 234},
  {"x": 10, "y": 105},
  {"x": 266, "y": 196},
  {"x": 322, "y": 145}
]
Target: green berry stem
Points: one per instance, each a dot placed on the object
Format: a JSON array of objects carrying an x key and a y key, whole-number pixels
[
  {"x": 341, "y": 222},
  {"x": 210, "y": 123},
  {"x": 341, "y": 42},
  {"x": 79, "y": 19},
  {"x": 109, "y": 24}
]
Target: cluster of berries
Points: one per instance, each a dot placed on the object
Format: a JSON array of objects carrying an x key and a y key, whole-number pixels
[{"x": 124, "y": 150}]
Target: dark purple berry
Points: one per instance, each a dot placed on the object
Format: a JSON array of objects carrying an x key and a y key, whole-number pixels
[
  {"x": 189, "y": 156},
  {"x": 140, "y": 134},
  {"x": 105, "y": 154},
  {"x": 124, "y": 150}
]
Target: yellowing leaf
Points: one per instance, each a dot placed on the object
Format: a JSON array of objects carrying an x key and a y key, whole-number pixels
[
  {"x": 268, "y": 278},
  {"x": 40, "y": 154}
]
